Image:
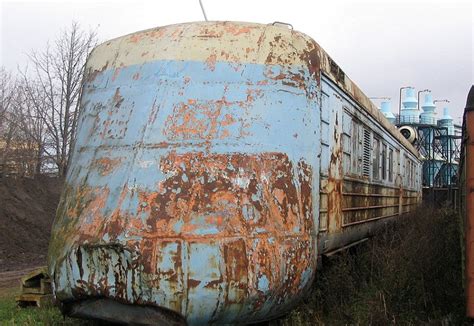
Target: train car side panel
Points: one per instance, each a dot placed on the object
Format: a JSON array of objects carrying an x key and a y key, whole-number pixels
[{"x": 367, "y": 175}]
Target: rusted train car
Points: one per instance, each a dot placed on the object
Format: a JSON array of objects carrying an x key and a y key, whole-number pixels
[
  {"x": 214, "y": 163},
  {"x": 466, "y": 198}
]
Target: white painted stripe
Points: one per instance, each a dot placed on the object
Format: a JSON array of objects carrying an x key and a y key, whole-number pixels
[{"x": 208, "y": 42}]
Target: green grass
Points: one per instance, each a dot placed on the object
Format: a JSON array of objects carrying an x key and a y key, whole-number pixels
[{"x": 10, "y": 314}]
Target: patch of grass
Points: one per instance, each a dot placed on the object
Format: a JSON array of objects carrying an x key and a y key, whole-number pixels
[
  {"x": 10, "y": 314},
  {"x": 408, "y": 274}
]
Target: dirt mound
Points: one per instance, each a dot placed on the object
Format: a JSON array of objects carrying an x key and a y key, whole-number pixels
[{"x": 27, "y": 209}]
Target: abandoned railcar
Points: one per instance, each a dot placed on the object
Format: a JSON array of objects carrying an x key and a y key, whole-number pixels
[
  {"x": 466, "y": 199},
  {"x": 214, "y": 163}
]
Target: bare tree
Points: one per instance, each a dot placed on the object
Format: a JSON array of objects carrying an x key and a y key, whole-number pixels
[
  {"x": 53, "y": 91},
  {"x": 7, "y": 92},
  {"x": 21, "y": 129},
  {"x": 8, "y": 131},
  {"x": 31, "y": 123}
]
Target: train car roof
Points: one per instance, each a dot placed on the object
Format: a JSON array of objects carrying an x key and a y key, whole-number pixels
[{"x": 234, "y": 42}]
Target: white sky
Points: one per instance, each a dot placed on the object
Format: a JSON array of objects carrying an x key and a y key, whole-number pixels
[{"x": 380, "y": 44}]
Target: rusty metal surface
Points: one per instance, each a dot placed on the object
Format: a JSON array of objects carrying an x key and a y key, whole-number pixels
[
  {"x": 352, "y": 191},
  {"x": 205, "y": 164},
  {"x": 468, "y": 192},
  {"x": 183, "y": 192}
]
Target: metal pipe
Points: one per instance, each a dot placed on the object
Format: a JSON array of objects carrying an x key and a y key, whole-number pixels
[
  {"x": 418, "y": 97},
  {"x": 469, "y": 201},
  {"x": 436, "y": 101},
  {"x": 380, "y": 98}
]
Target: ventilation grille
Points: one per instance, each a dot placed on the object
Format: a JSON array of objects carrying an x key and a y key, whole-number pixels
[{"x": 366, "y": 157}]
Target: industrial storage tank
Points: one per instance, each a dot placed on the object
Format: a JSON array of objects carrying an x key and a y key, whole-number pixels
[{"x": 212, "y": 167}]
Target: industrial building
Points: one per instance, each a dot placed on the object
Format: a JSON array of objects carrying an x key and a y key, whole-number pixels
[{"x": 438, "y": 139}]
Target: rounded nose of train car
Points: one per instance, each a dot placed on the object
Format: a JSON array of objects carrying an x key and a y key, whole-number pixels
[
  {"x": 188, "y": 198},
  {"x": 220, "y": 238}
]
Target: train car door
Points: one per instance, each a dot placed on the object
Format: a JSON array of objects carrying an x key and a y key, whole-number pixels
[
  {"x": 331, "y": 175},
  {"x": 335, "y": 172}
]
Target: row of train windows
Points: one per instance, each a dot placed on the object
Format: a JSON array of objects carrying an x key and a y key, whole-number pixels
[
  {"x": 411, "y": 176},
  {"x": 366, "y": 154},
  {"x": 379, "y": 160}
]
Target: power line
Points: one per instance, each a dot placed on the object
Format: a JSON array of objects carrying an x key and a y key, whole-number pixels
[{"x": 203, "y": 11}]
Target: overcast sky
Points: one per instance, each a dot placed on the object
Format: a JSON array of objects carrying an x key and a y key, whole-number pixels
[{"x": 381, "y": 45}]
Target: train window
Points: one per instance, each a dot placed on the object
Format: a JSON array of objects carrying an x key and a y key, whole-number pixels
[
  {"x": 325, "y": 133},
  {"x": 406, "y": 171},
  {"x": 397, "y": 161},
  {"x": 376, "y": 159},
  {"x": 410, "y": 172},
  {"x": 346, "y": 141},
  {"x": 366, "y": 156},
  {"x": 325, "y": 107},
  {"x": 384, "y": 162},
  {"x": 417, "y": 174},
  {"x": 356, "y": 145},
  {"x": 390, "y": 165}
]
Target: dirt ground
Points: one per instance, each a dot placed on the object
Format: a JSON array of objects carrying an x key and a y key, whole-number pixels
[
  {"x": 11, "y": 279},
  {"x": 27, "y": 209}
]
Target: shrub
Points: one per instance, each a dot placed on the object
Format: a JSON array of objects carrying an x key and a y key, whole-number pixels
[{"x": 410, "y": 273}]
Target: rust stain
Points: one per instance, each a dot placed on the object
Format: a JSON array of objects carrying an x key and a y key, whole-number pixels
[
  {"x": 193, "y": 283},
  {"x": 211, "y": 62},
  {"x": 90, "y": 203},
  {"x": 239, "y": 194},
  {"x": 237, "y": 271},
  {"x": 135, "y": 38},
  {"x": 335, "y": 182},
  {"x": 236, "y": 29},
  {"x": 206, "y": 120},
  {"x": 212, "y": 186},
  {"x": 157, "y": 33},
  {"x": 106, "y": 165},
  {"x": 313, "y": 59},
  {"x": 117, "y": 72},
  {"x": 177, "y": 33},
  {"x": 91, "y": 74},
  {"x": 117, "y": 99}
]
